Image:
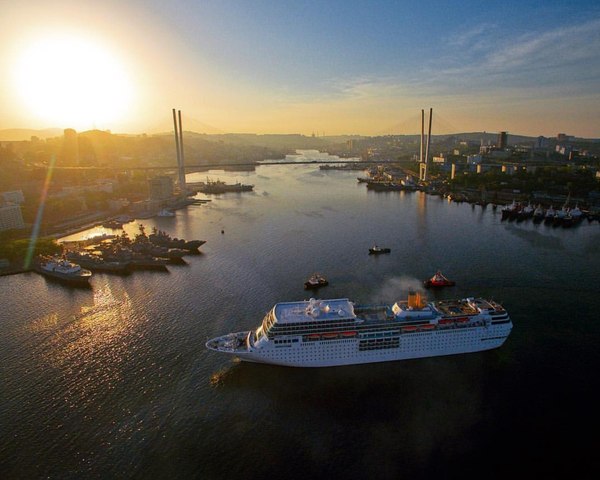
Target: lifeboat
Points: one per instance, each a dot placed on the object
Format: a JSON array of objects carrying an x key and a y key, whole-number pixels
[
  {"x": 438, "y": 280},
  {"x": 348, "y": 334},
  {"x": 461, "y": 320},
  {"x": 313, "y": 336},
  {"x": 428, "y": 326},
  {"x": 409, "y": 328},
  {"x": 329, "y": 336},
  {"x": 445, "y": 321}
]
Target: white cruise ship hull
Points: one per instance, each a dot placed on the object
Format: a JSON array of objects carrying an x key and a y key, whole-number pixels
[{"x": 406, "y": 346}]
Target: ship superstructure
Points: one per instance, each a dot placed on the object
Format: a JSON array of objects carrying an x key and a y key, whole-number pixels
[{"x": 321, "y": 333}]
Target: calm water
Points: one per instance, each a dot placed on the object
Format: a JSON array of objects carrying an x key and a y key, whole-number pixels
[{"x": 115, "y": 382}]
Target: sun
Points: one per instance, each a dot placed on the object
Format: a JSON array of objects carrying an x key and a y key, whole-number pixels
[{"x": 71, "y": 81}]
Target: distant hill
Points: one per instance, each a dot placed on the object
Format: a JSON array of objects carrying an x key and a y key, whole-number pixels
[
  {"x": 20, "y": 134},
  {"x": 197, "y": 130}
]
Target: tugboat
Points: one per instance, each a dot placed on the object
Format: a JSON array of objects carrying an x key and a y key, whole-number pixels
[
  {"x": 315, "y": 281},
  {"x": 438, "y": 280},
  {"x": 375, "y": 250}
]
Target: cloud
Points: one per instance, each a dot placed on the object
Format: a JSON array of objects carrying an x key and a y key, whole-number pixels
[
  {"x": 475, "y": 38},
  {"x": 562, "y": 62}
]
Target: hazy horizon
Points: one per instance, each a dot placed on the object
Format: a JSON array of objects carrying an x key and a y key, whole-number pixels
[
  {"x": 24, "y": 134},
  {"x": 328, "y": 68}
]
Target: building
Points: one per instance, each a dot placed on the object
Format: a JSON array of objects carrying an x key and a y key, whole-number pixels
[
  {"x": 502, "y": 140},
  {"x": 541, "y": 143},
  {"x": 11, "y": 217},
  {"x": 160, "y": 188},
  {"x": 563, "y": 137},
  {"x": 14, "y": 196},
  {"x": 69, "y": 154},
  {"x": 440, "y": 159}
]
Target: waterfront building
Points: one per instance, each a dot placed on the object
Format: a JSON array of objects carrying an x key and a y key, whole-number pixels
[
  {"x": 118, "y": 204},
  {"x": 160, "y": 188},
  {"x": 11, "y": 217}
]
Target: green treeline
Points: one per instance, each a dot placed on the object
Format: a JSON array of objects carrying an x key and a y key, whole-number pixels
[{"x": 16, "y": 250}]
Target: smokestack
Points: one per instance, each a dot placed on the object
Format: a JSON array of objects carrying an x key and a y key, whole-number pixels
[
  {"x": 428, "y": 142},
  {"x": 182, "y": 186}
]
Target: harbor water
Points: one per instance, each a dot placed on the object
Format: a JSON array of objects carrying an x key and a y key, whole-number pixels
[{"x": 115, "y": 381}]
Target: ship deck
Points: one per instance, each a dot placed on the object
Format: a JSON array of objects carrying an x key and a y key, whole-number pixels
[{"x": 454, "y": 308}]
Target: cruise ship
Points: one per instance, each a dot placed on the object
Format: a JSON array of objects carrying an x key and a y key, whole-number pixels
[{"x": 325, "y": 333}]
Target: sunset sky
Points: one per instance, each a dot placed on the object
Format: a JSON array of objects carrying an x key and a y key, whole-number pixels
[{"x": 328, "y": 67}]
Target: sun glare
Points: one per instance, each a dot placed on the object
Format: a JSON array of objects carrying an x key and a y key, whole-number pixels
[{"x": 73, "y": 82}]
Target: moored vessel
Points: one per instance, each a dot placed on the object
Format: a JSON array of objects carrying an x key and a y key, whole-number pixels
[
  {"x": 315, "y": 281},
  {"x": 97, "y": 263},
  {"x": 322, "y": 333},
  {"x": 63, "y": 270},
  {"x": 165, "y": 213},
  {"x": 218, "y": 186}
]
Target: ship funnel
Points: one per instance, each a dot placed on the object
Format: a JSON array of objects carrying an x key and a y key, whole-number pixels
[{"x": 415, "y": 300}]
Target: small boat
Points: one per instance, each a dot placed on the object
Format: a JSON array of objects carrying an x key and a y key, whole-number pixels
[
  {"x": 549, "y": 216},
  {"x": 538, "y": 214},
  {"x": 375, "y": 250},
  {"x": 166, "y": 213},
  {"x": 438, "y": 280},
  {"x": 315, "y": 281},
  {"x": 576, "y": 214},
  {"x": 510, "y": 211},
  {"x": 112, "y": 224}
]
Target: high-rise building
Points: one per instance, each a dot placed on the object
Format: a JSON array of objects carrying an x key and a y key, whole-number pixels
[
  {"x": 11, "y": 217},
  {"x": 502, "y": 140},
  {"x": 69, "y": 155}
]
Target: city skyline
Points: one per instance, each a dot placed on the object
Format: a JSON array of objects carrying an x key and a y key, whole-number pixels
[{"x": 529, "y": 68}]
